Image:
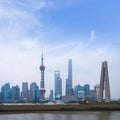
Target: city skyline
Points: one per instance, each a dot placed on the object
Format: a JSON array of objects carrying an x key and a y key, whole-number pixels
[
  {"x": 33, "y": 93},
  {"x": 86, "y": 31},
  {"x": 58, "y": 89}
]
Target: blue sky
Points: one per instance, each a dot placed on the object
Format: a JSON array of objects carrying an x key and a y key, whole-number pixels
[{"x": 85, "y": 30}]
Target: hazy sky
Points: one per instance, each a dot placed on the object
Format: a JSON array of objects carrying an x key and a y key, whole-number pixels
[{"x": 88, "y": 31}]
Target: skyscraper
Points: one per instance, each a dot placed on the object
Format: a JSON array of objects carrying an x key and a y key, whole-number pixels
[
  {"x": 77, "y": 90},
  {"x": 24, "y": 93},
  {"x": 87, "y": 89},
  {"x": 58, "y": 85},
  {"x": 1, "y": 96},
  {"x": 6, "y": 91},
  {"x": 42, "y": 86},
  {"x": 69, "y": 79},
  {"x": 104, "y": 83},
  {"x": 96, "y": 87},
  {"x": 34, "y": 92},
  {"x": 15, "y": 93}
]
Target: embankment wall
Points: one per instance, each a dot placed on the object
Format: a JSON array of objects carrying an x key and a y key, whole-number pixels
[{"x": 58, "y": 107}]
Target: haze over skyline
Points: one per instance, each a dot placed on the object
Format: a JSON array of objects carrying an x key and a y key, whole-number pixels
[{"x": 87, "y": 31}]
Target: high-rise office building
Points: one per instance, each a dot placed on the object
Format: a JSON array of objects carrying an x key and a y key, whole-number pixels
[
  {"x": 25, "y": 91},
  {"x": 87, "y": 89},
  {"x": 58, "y": 85},
  {"x": 15, "y": 93},
  {"x": 93, "y": 95},
  {"x": 6, "y": 90},
  {"x": 81, "y": 95},
  {"x": 42, "y": 84},
  {"x": 51, "y": 96},
  {"x": 104, "y": 83},
  {"x": 34, "y": 92},
  {"x": 70, "y": 72},
  {"x": 96, "y": 88},
  {"x": 69, "y": 89},
  {"x": 1, "y": 97},
  {"x": 77, "y": 89}
]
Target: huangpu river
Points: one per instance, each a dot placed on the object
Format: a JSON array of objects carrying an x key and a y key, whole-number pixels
[{"x": 84, "y": 115}]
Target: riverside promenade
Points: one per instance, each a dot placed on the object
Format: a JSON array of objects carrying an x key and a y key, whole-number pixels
[{"x": 20, "y": 108}]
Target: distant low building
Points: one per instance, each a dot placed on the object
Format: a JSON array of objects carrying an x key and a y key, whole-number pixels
[
  {"x": 81, "y": 95},
  {"x": 96, "y": 88},
  {"x": 93, "y": 95},
  {"x": 67, "y": 99},
  {"x": 51, "y": 96}
]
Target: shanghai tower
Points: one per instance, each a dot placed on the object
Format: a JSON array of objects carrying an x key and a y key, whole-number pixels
[
  {"x": 69, "y": 79},
  {"x": 104, "y": 83},
  {"x": 42, "y": 89}
]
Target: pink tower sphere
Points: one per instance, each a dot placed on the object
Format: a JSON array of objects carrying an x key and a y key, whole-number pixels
[{"x": 42, "y": 67}]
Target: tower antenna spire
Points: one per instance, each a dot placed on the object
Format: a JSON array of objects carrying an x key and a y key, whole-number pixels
[
  {"x": 42, "y": 57},
  {"x": 42, "y": 86}
]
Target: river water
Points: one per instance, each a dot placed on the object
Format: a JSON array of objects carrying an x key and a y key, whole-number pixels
[{"x": 63, "y": 116}]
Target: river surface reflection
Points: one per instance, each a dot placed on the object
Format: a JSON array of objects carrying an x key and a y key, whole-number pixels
[{"x": 105, "y": 115}]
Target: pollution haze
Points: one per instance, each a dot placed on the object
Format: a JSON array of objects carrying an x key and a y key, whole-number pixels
[{"x": 87, "y": 31}]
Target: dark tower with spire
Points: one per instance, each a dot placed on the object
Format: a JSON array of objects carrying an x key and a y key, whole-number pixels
[{"x": 42, "y": 86}]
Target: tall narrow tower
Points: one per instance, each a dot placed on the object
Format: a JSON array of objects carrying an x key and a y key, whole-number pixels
[
  {"x": 104, "y": 84},
  {"x": 70, "y": 72},
  {"x": 69, "y": 79},
  {"x": 58, "y": 85},
  {"x": 42, "y": 89}
]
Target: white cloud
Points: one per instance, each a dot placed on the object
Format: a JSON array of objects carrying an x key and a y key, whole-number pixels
[{"x": 18, "y": 22}]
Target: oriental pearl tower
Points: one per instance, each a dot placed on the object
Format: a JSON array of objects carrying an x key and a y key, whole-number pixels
[{"x": 42, "y": 89}]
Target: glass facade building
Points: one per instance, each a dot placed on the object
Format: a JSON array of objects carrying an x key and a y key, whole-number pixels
[
  {"x": 58, "y": 85},
  {"x": 69, "y": 79},
  {"x": 87, "y": 89},
  {"x": 25, "y": 91}
]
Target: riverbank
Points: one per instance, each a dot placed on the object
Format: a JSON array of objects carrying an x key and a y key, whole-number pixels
[{"x": 20, "y": 108}]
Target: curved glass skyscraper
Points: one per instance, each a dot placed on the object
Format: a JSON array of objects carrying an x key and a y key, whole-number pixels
[{"x": 69, "y": 79}]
